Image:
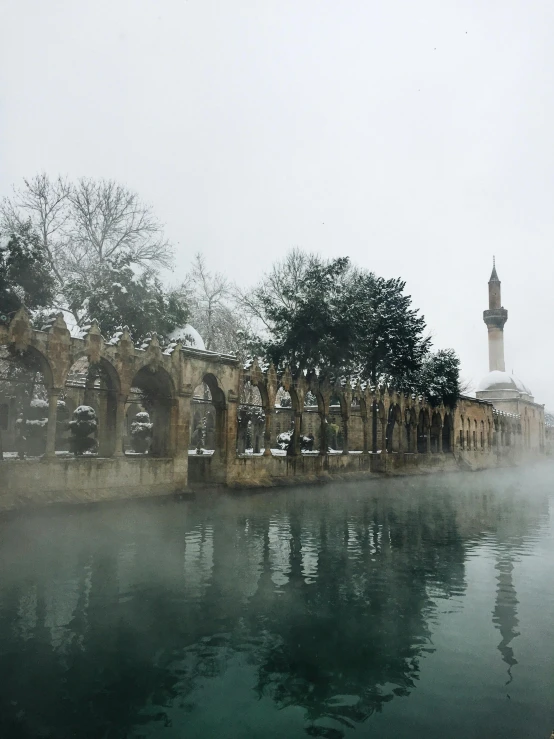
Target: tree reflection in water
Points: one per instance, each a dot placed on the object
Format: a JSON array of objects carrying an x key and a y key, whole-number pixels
[{"x": 111, "y": 617}]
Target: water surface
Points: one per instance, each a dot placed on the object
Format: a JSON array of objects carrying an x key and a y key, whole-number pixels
[{"x": 400, "y": 608}]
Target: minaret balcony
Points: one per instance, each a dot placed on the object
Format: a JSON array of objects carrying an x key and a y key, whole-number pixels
[{"x": 495, "y": 317}]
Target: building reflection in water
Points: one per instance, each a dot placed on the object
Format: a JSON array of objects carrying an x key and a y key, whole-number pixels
[
  {"x": 505, "y": 610},
  {"x": 110, "y": 617}
]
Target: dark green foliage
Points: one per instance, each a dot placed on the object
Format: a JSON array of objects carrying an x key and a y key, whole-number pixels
[
  {"x": 82, "y": 427},
  {"x": 389, "y": 345},
  {"x": 438, "y": 378},
  {"x": 343, "y": 322},
  {"x": 117, "y": 296},
  {"x": 25, "y": 274},
  {"x": 35, "y": 427},
  {"x": 309, "y": 327},
  {"x": 141, "y": 432}
]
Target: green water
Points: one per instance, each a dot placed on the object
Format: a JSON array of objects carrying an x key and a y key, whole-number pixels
[{"x": 400, "y": 608}]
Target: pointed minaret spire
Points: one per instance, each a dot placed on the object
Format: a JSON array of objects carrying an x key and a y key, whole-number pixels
[
  {"x": 494, "y": 275},
  {"x": 495, "y": 318}
]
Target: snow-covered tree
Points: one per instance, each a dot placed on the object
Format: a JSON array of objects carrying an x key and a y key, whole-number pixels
[
  {"x": 141, "y": 432},
  {"x": 35, "y": 427},
  {"x": 85, "y": 226},
  {"x": 438, "y": 379},
  {"x": 82, "y": 429},
  {"x": 116, "y": 295},
  {"x": 25, "y": 274},
  {"x": 211, "y": 298}
]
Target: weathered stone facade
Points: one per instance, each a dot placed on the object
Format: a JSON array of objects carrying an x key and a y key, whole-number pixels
[{"x": 380, "y": 430}]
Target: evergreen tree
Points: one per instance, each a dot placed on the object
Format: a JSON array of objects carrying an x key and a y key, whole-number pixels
[
  {"x": 116, "y": 295},
  {"x": 302, "y": 309},
  {"x": 389, "y": 343},
  {"x": 25, "y": 274},
  {"x": 82, "y": 429},
  {"x": 439, "y": 378}
]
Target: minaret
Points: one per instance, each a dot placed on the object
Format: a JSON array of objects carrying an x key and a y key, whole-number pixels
[{"x": 495, "y": 318}]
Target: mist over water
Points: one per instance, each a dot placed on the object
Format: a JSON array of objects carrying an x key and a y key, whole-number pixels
[{"x": 393, "y": 608}]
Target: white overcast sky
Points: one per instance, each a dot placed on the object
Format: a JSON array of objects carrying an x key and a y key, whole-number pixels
[{"x": 414, "y": 137}]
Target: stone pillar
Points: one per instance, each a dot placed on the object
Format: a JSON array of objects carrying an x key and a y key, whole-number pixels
[
  {"x": 267, "y": 431},
  {"x": 242, "y": 428},
  {"x": 365, "y": 425},
  {"x": 383, "y": 437},
  {"x": 413, "y": 438},
  {"x": 440, "y": 440},
  {"x": 118, "y": 450},
  {"x": 53, "y": 397},
  {"x": 401, "y": 434},
  {"x": 323, "y": 447},
  {"x": 220, "y": 432},
  {"x": 103, "y": 423},
  {"x": 345, "y": 441},
  {"x": 428, "y": 439},
  {"x": 294, "y": 447},
  {"x": 180, "y": 425}
]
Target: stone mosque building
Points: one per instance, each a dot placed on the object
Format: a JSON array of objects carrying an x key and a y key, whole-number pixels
[{"x": 506, "y": 392}]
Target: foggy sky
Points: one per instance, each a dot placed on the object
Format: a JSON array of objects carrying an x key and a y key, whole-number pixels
[{"x": 414, "y": 137}]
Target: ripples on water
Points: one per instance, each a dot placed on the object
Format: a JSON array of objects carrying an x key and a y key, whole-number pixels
[{"x": 395, "y": 608}]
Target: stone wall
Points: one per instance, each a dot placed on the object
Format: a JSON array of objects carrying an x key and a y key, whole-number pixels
[{"x": 378, "y": 430}]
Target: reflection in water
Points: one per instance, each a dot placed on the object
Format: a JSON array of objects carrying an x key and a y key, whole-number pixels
[
  {"x": 116, "y": 620},
  {"x": 505, "y": 611}
]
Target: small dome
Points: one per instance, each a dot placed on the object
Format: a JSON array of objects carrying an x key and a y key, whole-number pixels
[
  {"x": 189, "y": 336},
  {"x": 497, "y": 381}
]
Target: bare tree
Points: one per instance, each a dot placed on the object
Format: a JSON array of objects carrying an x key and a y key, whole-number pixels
[
  {"x": 108, "y": 220},
  {"x": 279, "y": 287},
  {"x": 87, "y": 223},
  {"x": 45, "y": 204},
  {"x": 212, "y": 310}
]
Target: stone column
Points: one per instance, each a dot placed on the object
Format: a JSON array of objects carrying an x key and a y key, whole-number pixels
[
  {"x": 383, "y": 437},
  {"x": 440, "y": 440},
  {"x": 118, "y": 450},
  {"x": 323, "y": 447},
  {"x": 242, "y": 428},
  {"x": 401, "y": 434},
  {"x": 413, "y": 438},
  {"x": 267, "y": 431},
  {"x": 220, "y": 433},
  {"x": 103, "y": 423},
  {"x": 345, "y": 442},
  {"x": 180, "y": 425},
  {"x": 428, "y": 439},
  {"x": 294, "y": 448},
  {"x": 365, "y": 426},
  {"x": 53, "y": 397}
]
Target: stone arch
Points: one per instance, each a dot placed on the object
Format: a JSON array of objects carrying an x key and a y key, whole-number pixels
[
  {"x": 423, "y": 438},
  {"x": 27, "y": 391},
  {"x": 378, "y": 424},
  {"x": 411, "y": 418},
  {"x": 214, "y": 418},
  {"x": 250, "y": 417},
  {"x": 323, "y": 403},
  {"x": 447, "y": 432},
  {"x": 96, "y": 384},
  {"x": 394, "y": 434},
  {"x": 157, "y": 392},
  {"x": 435, "y": 432}
]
